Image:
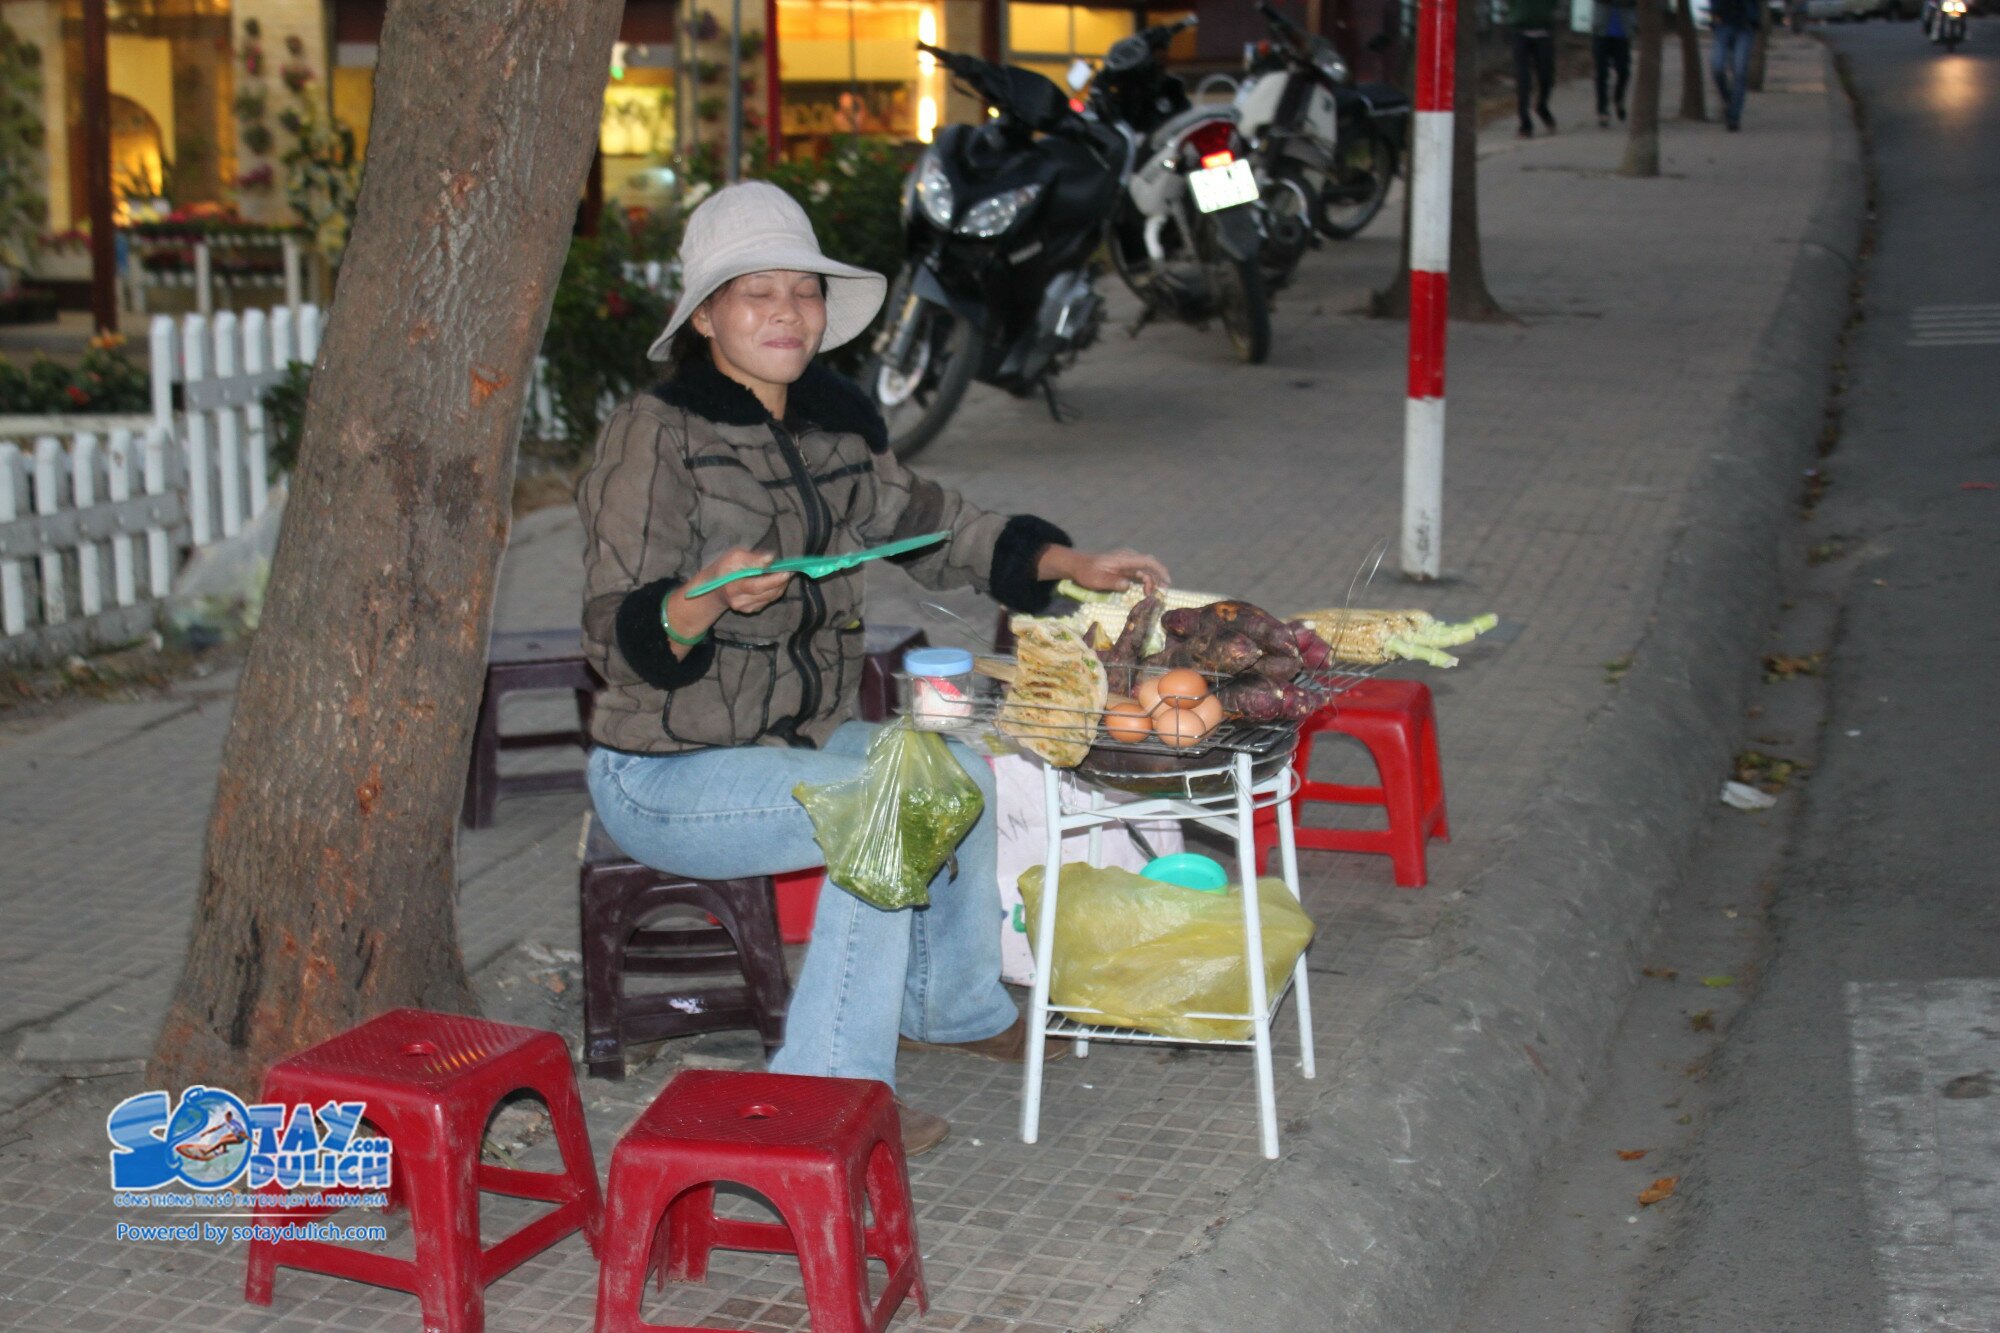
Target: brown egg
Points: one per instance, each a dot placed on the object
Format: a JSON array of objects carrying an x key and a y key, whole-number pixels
[
  {"x": 1178, "y": 728},
  {"x": 1148, "y": 695},
  {"x": 1209, "y": 710},
  {"x": 1127, "y": 722},
  {"x": 1183, "y": 688}
]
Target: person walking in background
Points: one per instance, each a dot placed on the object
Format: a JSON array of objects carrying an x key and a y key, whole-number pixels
[
  {"x": 1612, "y": 23},
  {"x": 1533, "y": 22},
  {"x": 1734, "y": 26}
]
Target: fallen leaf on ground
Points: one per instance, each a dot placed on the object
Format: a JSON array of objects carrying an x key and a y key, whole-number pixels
[
  {"x": 1663, "y": 1188},
  {"x": 1632, "y": 1154},
  {"x": 1718, "y": 983},
  {"x": 1786, "y": 666},
  {"x": 1659, "y": 973},
  {"x": 1703, "y": 1021}
]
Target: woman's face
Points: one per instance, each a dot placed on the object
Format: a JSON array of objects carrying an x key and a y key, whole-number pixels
[{"x": 764, "y": 328}]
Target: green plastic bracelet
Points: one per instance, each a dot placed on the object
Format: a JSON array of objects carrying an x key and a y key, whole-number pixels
[{"x": 668, "y": 626}]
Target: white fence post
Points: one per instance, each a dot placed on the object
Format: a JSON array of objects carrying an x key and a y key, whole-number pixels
[
  {"x": 256, "y": 445},
  {"x": 49, "y": 469},
  {"x": 119, "y": 461},
  {"x": 83, "y": 495},
  {"x": 204, "y": 291},
  {"x": 228, "y": 428},
  {"x": 164, "y": 357},
  {"x": 309, "y": 335},
  {"x": 159, "y": 549},
  {"x": 13, "y": 588},
  {"x": 194, "y": 350}
]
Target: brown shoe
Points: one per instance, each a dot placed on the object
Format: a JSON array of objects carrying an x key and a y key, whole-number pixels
[
  {"x": 1009, "y": 1047},
  {"x": 922, "y": 1131}
]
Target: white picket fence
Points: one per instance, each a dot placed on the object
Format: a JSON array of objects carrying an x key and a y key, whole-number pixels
[{"x": 95, "y": 523}]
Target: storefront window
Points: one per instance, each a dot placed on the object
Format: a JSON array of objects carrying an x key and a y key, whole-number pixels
[
  {"x": 852, "y": 67},
  {"x": 1048, "y": 38}
]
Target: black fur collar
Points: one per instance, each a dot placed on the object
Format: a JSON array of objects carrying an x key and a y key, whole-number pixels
[{"x": 821, "y": 398}]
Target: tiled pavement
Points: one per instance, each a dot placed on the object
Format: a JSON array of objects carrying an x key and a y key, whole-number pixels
[{"x": 1574, "y": 433}]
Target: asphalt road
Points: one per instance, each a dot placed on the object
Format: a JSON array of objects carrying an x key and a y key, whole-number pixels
[{"x": 1828, "y": 1107}]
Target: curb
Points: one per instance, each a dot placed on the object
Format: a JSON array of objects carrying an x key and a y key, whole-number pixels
[{"x": 1399, "y": 1184}]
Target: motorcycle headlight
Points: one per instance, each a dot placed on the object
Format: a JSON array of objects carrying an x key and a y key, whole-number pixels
[
  {"x": 934, "y": 192},
  {"x": 992, "y": 216},
  {"x": 1955, "y": 8}
]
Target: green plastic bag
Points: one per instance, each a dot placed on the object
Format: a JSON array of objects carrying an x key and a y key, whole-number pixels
[
  {"x": 888, "y": 832},
  {"x": 1145, "y": 953}
]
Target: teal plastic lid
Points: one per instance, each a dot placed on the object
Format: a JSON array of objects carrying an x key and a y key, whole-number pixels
[{"x": 1189, "y": 870}]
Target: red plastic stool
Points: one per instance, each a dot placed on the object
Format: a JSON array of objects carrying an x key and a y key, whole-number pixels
[
  {"x": 1395, "y": 720},
  {"x": 431, "y": 1082},
  {"x": 820, "y": 1149}
]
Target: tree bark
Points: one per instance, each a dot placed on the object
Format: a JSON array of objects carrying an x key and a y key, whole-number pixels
[
  {"x": 1642, "y": 145},
  {"x": 1694, "y": 81},
  {"x": 328, "y": 890},
  {"x": 1469, "y": 297}
]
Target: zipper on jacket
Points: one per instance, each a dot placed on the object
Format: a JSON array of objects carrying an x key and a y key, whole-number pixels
[{"x": 819, "y": 528}]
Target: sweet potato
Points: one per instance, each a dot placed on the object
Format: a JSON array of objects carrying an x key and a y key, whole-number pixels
[
  {"x": 1313, "y": 650},
  {"x": 1225, "y": 654},
  {"x": 1131, "y": 644},
  {"x": 1205, "y": 622},
  {"x": 1252, "y": 698}
]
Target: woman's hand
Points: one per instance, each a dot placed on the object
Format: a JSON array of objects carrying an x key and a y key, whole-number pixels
[
  {"x": 1105, "y": 571},
  {"x": 746, "y": 597},
  {"x": 692, "y": 617}
]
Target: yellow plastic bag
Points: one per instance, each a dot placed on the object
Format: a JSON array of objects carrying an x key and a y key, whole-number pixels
[
  {"x": 1146, "y": 953},
  {"x": 889, "y": 831}
]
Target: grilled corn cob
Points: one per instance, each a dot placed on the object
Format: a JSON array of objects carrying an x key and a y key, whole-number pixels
[
  {"x": 1108, "y": 610},
  {"x": 1367, "y": 637}
]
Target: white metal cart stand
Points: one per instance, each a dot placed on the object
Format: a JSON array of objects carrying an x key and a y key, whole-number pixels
[{"x": 1228, "y": 811}]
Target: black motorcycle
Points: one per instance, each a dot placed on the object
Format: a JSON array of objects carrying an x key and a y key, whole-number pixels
[
  {"x": 1002, "y": 220},
  {"x": 1332, "y": 144},
  {"x": 1187, "y": 233}
]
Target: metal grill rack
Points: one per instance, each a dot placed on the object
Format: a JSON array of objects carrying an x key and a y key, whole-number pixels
[{"x": 1219, "y": 783}]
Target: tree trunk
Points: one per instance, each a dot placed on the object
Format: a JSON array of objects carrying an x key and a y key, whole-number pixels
[
  {"x": 1642, "y": 146},
  {"x": 1758, "y": 50},
  {"x": 328, "y": 891},
  {"x": 1694, "y": 83},
  {"x": 1469, "y": 298}
]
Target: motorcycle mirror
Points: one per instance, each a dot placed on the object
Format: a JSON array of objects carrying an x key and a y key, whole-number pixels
[{"x": 1079, "y": 75}]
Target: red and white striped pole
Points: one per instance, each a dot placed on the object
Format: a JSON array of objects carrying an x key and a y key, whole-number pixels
[{"x": 1430, "y": 289}]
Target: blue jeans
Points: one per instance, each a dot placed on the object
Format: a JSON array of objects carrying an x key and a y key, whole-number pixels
[
  {"x": 931, "y": 973},
  {"x": 1730, "y": 60}
]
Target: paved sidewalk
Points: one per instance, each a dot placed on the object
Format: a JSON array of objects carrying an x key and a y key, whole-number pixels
[{"x": 1576, "y": 437}]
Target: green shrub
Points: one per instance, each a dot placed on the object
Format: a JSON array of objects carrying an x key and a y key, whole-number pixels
[
  {"x": 284, "y": 418},
  {"x": 107, "y": 381},
  {"x": 602, "y": 322}
]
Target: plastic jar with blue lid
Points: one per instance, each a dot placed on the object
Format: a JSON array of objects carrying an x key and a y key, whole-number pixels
[{"x": 940, "y": 687}]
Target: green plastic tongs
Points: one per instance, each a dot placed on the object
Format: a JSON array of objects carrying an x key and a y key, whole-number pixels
[{"x": 819, "y": 566}]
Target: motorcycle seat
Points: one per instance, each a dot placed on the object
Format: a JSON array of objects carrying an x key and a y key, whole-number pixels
[{"x": 1381, "y": 99}]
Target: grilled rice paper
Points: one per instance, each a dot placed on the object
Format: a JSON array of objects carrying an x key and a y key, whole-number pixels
[{"x": 1057, "y": 695}]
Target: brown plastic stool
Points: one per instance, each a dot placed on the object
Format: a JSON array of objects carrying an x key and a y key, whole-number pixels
[
  {"x": 618, "y": 895},
  {"x": 518, "y": 660}
]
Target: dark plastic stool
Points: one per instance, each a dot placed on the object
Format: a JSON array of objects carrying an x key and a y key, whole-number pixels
[
  {"x": 884, "y": 646},
  {"x": 618, "y": 895},
  {"x": 431, "y": 1081},
  {"x": 821, "y": 1150},
  {"x": 519, "y": 660}
]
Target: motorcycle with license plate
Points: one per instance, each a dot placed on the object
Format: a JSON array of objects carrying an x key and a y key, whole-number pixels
[
  {"x": 1944, "y": 22},
  {"x": 1002, "y": 219},
  {"x": 1325, "y": 150},
  {"x": 1186, "y": 234}
]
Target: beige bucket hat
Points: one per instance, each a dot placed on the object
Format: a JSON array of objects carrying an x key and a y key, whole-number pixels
[{"x": 755, "y": 226}]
